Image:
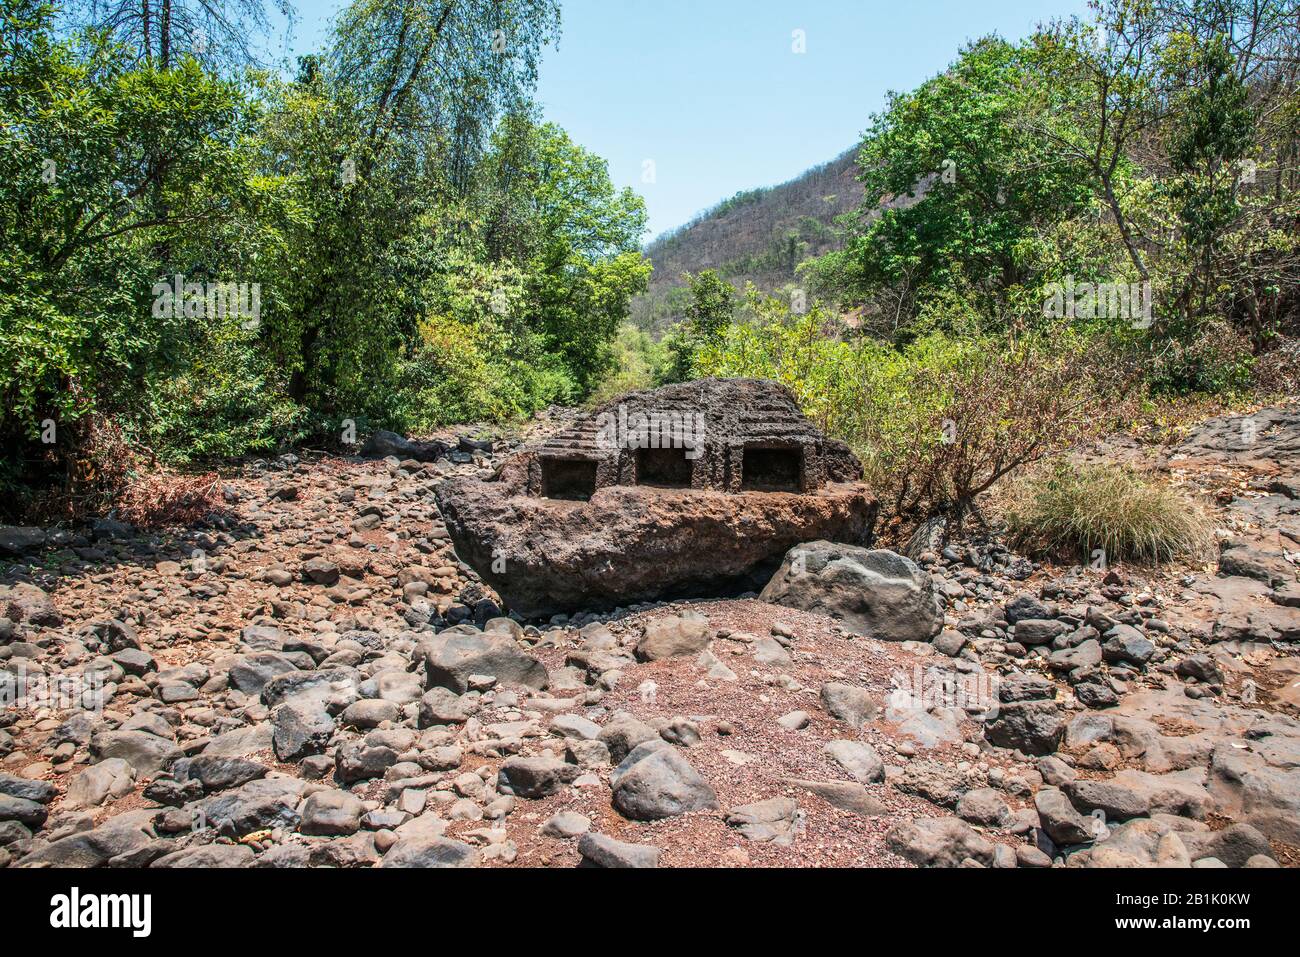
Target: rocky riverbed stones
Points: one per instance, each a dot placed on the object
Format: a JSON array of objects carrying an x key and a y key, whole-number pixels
[
  {"x": 771, "y": 820},
  {"x": 672, "y": 636},
  {"x": 859, "y": 759},
  {"x": 940, "y": 842},
  {"x": 242, "y": 713},
  {"x": 535, "y": 777},
  {"x": 450, "y": 658},
  {"x": 1032, "y": 727},
  {"x": 599, "y": 850},
  {"x": 850, "y": 704},
  {"x": 1060, "y": 820}
]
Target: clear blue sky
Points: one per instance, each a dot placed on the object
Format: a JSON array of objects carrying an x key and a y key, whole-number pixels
[{"x": 712, "y": 92}]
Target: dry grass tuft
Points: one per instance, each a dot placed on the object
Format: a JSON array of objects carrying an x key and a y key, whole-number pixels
[{"x": 1072, "y": 509}]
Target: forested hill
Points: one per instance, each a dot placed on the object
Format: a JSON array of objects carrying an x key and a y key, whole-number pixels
[{"x": 759, "y": 235}]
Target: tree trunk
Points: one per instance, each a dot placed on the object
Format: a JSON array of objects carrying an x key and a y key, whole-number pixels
[
  {"x": 165, "y": 35},
  {"x": 1126, "y": 234}
]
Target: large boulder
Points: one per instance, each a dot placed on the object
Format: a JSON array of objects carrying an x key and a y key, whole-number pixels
[
  {"x": 30, "y": 813},
  {"x": 251, "y": 673},
  {"x": 849, "y": 703},
  {"x": 873, "y": 591},
  {"x": 424, "y": 851},
  {"x": 1268, "y": 565},
  {"x": 208, "y": 856},
  {"x": 1060, "y": 820},
  {"x": 535, "y": 777},
  {"x": 674, "y": 635},
  {"x": 1252, "y": 790},
  {"x": 331, "y": 813},
  {"x": 1235, "y": 845},
  {"x": 260, "y": 804},
  {"x": 382, "y": 444},
  {"x": 858, "y": 758},
  {"x": 771, "y": 820},
  {"x": 99, "y": 783},
  {"x": 586, "y": 522},
  {"x": 451, "y": 656},
  {"x": 23, "y": 602},
  {"x": 657, "y": 782},
  {"x": 302, "y": 727},
  {"x": 624, "y": 732},
  {"x": 1161, "y": 841},
  {"x": 1034, "y": 727},
  {"x": 936, "y": 781},
  {"x": 1116, "y": 800},
  {"x": 630, "y": 543},
  {"x": 218, "y": 773},
  {"x": 939, "y": 842},
  {"x": 17, "y": 540},
  {"x": 1126, "y": 644},
  {"x": 118, "y": 837},
  {"x": 358, "y": 761},
  {"x": 600, "y": 850},
  {"x": 29, "y": 789},
  {"x": 146, "y": 753}
]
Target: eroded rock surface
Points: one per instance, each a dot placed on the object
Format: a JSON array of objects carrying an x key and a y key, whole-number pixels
[{"x": 593, "y": 520}]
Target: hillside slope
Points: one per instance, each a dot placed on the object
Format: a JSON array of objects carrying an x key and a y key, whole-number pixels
[{"x": 758, "y": 235}]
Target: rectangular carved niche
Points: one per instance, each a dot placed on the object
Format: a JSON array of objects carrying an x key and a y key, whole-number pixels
[
  {"x": 572, "y": 479},
  {"x": 772, "y": 470}
]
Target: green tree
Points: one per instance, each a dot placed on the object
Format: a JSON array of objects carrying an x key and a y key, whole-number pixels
[
  {"x": 576, "y": 238},
  {"x": 709, "y": 310},
  {"x": 1208, "y": 143},
  {"x": 217, "y": 33},
  {"x": 389, "y": 126},
  {"x": 712, "y": 305},
  {"x": 1098, "y": 94},
  {"x": 79, "y": 123},
  {"x": 959, "y": 195}
]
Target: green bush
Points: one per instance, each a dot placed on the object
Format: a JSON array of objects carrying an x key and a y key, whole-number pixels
[
  {"x": 477, "y": 373},
  {"x": 636, "y": 358},
  {"x": 1213, "y": 360},
  {"x": 938, "y": 421},
  {"x": 224, "y": 406},
  {"x": 1074, "y": 509}
]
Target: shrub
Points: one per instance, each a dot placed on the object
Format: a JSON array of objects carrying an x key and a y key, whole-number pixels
[
  {"x": 227, "y": 404},
  {"x": 938, "y": 421},
  {"x": 635, "y": 356},
  {"x": 1277, "y": 372},
  {"x": 1214, "y": 359},
  {"x": 477, "y": 373},
  {"x": 1074, "y": 509},
  {"x": 78, "y": 474},
  {"x": 159, "y": 499},
  {"x": 960, "y": 415}
]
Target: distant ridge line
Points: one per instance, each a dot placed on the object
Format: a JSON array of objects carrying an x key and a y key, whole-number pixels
[{"x": 758, "y": 235}]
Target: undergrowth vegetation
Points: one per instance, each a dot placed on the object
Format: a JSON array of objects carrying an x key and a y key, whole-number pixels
[
  {"x": 940, "y": 420},
  {"x": 1106, "y": 512}
]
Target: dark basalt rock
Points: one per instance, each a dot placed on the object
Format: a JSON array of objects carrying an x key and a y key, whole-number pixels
[
  {"x": 874, "y": 592},
  {"x": 381, "y": 444},
  {"x": 692, "y": 489}
]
